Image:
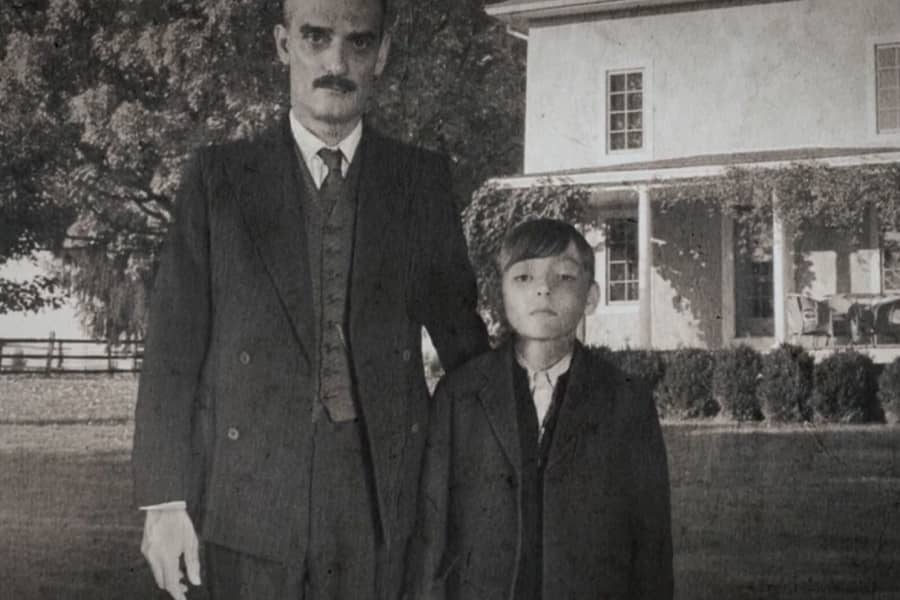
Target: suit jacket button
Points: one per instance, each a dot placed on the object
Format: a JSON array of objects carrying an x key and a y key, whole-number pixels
[
  {"x": 233, "y": 434},
  {"x": 414, "y": 428},
  {"x": 244, "y": 357},
  {"x": 407, "y": 355}
]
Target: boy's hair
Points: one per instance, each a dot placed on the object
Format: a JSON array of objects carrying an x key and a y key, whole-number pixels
[{"x": 541, "y": 238}]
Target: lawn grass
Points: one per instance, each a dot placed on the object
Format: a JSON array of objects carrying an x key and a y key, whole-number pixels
[{"x": 795, "y": 514}]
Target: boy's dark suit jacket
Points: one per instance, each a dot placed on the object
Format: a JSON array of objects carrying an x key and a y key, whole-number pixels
[
  {"x": 226, "y": 389},
  {"x": 606, "y": 519}
]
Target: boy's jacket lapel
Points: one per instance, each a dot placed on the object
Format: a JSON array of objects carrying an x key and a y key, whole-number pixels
[
  {"x": 497, "y": 396},
  {"x": 589, "y": 397}
]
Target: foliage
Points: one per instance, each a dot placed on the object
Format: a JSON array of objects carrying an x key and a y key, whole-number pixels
[
  {"x": 685, "y": 391},
  {"x": 493, "y": 212},
  {"x": 785, "y": 384},
  {"x": 889, "y": 389},
  {"x": 846, "y": 389},
  {"x": 104, "y": 100},
  {"x": 735, "y": 379},
  {"x": 649, "y": 365},
  {"x": 804, "y": 194}
]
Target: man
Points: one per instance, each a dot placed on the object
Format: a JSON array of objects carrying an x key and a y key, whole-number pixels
[{"x": 282, "y": 405}]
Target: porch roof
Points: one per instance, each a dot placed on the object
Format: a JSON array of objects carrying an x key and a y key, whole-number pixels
[{"x": 658, "y": 172}]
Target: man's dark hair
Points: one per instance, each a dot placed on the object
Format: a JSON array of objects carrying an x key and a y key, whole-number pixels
[
  {"x": 385, "y": 6},
  {"x": 541, "y": 238}
]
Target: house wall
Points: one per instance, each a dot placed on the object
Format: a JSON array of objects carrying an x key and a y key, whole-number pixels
[
  {"x": 686, "y": 283},
  {"x": 719, "y": 80}
]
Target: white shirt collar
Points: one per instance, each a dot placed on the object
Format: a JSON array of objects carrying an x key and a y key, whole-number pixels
[
  {"x": 552, "y": 373},
  {"x": 310, "y": 145}
]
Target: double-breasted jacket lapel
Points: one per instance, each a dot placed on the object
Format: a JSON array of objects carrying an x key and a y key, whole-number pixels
[
  {"x": 270, "y": 196},
  {"x": 379, "y": 206}
]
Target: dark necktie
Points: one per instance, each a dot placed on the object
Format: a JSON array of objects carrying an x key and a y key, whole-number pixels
[
  {"x": 334, "y": 375},
  {"x": 333, "y": 184}
]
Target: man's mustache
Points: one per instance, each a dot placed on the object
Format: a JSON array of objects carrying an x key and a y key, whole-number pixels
[{"x": 334, "y": 82}]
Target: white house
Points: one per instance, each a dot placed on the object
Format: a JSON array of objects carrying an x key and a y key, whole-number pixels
[{"x": 626, "y": 96}]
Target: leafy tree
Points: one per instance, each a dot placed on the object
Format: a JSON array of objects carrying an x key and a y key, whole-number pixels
[{"x": 103, "y": 100}]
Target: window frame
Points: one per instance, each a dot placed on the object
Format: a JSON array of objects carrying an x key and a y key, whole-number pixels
[
  {"x": 878, "y": 75},
  {"x": 626, "y": 111},
  {"x": 630, "y": 266}
]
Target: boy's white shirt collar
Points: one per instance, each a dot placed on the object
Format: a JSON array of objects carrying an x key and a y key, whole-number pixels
[
  {"x": 310, "y": 145},
  {"x": 552, "y": 373}
]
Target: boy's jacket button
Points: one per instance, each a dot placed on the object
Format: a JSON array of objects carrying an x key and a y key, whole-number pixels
[
  {"x": 233, "y": 434},
  {"x": 407, "y": 355},
  {"x": 244, "y": 357},
  {"x": 414, "y": 428}
]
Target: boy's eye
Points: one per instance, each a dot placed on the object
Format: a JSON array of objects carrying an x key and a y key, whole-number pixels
[
  {"x": 362, "y": 42},
  {"x": 568, "y": 276},
  {"x": 522, "y": 278}
]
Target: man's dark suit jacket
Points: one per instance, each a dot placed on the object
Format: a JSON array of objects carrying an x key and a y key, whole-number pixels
[
  {"x": 606, "y": 519},
  {"x": 226, "y": 384}
]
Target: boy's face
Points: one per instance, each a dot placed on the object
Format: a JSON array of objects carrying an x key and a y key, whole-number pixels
[{"x": 546, "y": 298}]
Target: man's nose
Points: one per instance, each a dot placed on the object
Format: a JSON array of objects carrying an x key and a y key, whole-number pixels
[{"x": 336, "y": 59}]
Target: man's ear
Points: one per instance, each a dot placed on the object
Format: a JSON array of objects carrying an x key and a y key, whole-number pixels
[
  {"x": 593, "y": 299},
  {"x": 281, "y": 44},
  {"x": 383, "y": 50}
]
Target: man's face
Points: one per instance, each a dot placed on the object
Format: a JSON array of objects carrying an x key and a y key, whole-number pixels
[
  {"x": 545, "y": 298},
  {"x": 335, "y": 50}
]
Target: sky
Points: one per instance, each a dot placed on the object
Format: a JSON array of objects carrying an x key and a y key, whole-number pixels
[{"x": 63, "y": 322}]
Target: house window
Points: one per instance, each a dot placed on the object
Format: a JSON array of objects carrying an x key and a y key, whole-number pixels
[
  {"x": 625, "y": 110},
  {"x": 621, "y": 260},
  {"x": 890, "y": 261},
  {"x": 887, "y": 84},
  {"x": 761, "y": 289}
]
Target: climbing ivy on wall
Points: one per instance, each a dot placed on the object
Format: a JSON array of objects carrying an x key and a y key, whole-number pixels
[{"x": 806, "y": 193}]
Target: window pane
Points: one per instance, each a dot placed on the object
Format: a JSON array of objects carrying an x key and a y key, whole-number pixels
[
  {"x": 635, "y": 81},
  {"x": 617, "y": 272},
  {"x": 635, "y": 101},
  {"x": 616, "y": 292},
  {"x": 632, "y": 291},
  {"x": 617, "y": 102},
  {"x": 635, "y": 121},
  {"x": 886, "y": 56},
  {"x": 617, "y": 122},
  {"x": 617, "y": 82},
  {"x": 617, "y": 141},
  {"x": 635, "y": 140},
  {"x": 888, "y": 99},
  {"x": 888, "y": 120},
  {"x": 888, "y": 79}
]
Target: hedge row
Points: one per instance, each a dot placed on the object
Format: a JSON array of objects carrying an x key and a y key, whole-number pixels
[{"x": 784, "y": 385}]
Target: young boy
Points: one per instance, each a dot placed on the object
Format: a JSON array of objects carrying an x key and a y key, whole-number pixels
[{"x": 545, "y": 475}]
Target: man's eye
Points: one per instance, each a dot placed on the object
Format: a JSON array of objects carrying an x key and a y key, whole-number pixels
[{"x": 315, "y": 37}]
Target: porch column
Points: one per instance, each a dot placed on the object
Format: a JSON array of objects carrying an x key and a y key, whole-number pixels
[
  {"x": 645, "y": 267},
  {"x": 781, "y": 265},
  {"x": 727, "y": 311}
]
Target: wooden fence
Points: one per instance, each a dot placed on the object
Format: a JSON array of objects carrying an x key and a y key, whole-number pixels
[{"x": 56, "y": 355}]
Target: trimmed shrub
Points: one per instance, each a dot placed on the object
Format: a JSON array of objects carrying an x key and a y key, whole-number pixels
[
  {"x": 785, "y": 384},
  {"x": 889, "y": 390},
  {"x": 735, "y": 378},
  {"x": 846, "y": 389},
  {"x": 648, "y": 365},
  {"x": 685, "y": 391}
]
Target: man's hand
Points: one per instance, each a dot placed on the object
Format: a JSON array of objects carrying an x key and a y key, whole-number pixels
[{"x": 169, "y": 533}]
